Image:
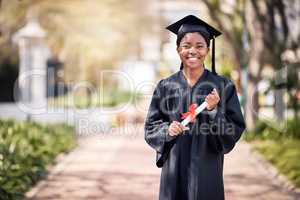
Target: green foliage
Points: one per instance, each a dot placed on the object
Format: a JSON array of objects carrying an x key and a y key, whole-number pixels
[
  {"x": 279, "y": 145},
  {"x": 273, "y": 131},
  {"x": 119, "y": 97},
  {"x": 112, "y": 97},
  {"x": 284, "y": 154},
  {"x": 26, "y": 149},
  {"x": 293, "y": 129}
]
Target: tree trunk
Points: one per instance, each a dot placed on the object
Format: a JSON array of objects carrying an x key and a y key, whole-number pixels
[
  {"x": 254, "y": 67},
  {"x": 280, "y": 80},
  {"x": 252, "y": 104},
  {"x": 279, "y": 104}
]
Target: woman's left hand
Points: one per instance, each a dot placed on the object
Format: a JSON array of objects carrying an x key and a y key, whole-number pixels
[{"x": 212, "y": 99}]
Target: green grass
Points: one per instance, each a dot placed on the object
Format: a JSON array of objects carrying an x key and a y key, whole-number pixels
[
  {"x": 283, "y": 154},
  {"x": 279, "y": 146},
  {"x": 26, "y": 149},
  {"x": 111, "y": 98}
]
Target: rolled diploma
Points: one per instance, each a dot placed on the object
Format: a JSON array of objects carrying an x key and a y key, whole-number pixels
[{"x": 199, "y": 109}]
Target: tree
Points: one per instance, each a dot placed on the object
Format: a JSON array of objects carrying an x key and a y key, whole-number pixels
[
  {"x": 265, "y": 24},
  {"x": 231, "y": 19},
  {"x": 274, "y": 42},
  {"x": 278, "y": 38}
]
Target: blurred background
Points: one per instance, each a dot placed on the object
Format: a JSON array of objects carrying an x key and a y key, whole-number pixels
[{"x": 91, "y": 67}]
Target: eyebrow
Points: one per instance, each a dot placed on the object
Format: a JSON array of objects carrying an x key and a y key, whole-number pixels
[{"x": 190, "y": 42}]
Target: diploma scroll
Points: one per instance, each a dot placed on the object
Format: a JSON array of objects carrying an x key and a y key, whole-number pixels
[{"x": 198, "y": 110}]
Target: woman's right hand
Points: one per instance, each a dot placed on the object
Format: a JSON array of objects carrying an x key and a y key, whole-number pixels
[{"x": 176, "y": 128}]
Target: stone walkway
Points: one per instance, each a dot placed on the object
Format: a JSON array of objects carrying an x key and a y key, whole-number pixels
[
  {"x": 120, "y": 166},
  {"x": 248, "y": 177}
]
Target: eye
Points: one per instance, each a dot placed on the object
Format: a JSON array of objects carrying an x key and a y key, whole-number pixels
[
  {"x": 186, "y": 46},
  {"x": 200, "y": 46}
]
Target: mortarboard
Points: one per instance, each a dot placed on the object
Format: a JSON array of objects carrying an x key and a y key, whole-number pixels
[{"x": 190, "y": 24}]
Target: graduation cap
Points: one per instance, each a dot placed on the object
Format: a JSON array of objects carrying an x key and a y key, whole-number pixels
[{"x": 190, "y": 24}]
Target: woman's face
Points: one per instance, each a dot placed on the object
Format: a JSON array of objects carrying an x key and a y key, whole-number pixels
[{"x": 192, "y": 50}]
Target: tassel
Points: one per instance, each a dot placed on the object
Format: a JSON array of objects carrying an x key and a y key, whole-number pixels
[{"x": 213, "y": 67}]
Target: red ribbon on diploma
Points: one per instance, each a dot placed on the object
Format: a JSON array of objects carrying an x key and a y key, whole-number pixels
[{"x": 192, "y": 112}]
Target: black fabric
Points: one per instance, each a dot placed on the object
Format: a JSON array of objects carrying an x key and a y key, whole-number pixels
[
  {"x": 192, "y": 23},
  {"x": 186, "y": 28},
  {"x": 192, "y": 164},
  {"x": 213, "y": 65}
]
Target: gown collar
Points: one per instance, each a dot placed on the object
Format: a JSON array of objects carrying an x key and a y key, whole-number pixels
[{"x": 185, "y": 82}]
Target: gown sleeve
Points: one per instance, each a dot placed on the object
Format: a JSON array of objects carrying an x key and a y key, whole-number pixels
[
  {"x": 228, "y": 123},
  {"x": 156, "y": 127}
]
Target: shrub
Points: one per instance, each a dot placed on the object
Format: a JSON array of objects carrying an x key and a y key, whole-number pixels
[
  {"x": 272, "y": 130},
  {"x": 280, "y": 146},
  {"x": 26, "y": 149},
  {"x": 284, "y": 154}
]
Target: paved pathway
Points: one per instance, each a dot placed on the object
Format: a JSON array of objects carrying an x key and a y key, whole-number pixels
[
  {"x": 120, "y": 166},
  {"x": 248, "y": 177}
]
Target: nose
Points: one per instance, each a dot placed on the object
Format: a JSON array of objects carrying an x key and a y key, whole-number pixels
[{"x": 192, "y": 50}]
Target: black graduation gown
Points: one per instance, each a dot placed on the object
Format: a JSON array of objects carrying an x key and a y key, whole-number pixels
[{"x": 192, "y": 164}]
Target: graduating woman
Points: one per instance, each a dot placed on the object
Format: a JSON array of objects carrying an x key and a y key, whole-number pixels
[{"x": 192, "y": 157}]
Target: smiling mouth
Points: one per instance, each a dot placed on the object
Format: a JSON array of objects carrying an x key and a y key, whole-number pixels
[{"x": 192, "y": 58}]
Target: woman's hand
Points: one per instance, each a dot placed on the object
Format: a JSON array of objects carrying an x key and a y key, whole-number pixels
[
  {"x": 176, "y": 128},
  {"x": 212, "y": 99}
]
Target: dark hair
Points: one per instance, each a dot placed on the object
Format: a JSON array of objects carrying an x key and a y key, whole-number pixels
[{"x": 205, "y": 36}]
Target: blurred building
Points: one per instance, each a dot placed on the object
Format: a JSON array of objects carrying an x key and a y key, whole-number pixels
[
  {"x": 38, "y": 71},
  {"x": 158, "y": 49},
  {"x": 33, "y": 55}
]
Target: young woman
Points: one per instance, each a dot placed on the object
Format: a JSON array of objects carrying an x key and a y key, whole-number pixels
[{"x": 192, "y": 157}]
